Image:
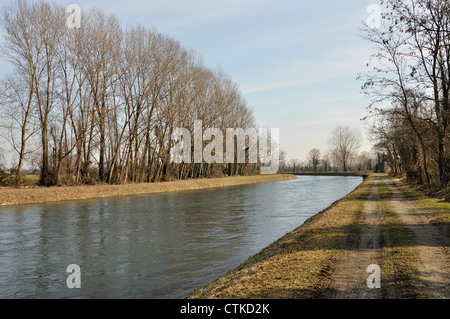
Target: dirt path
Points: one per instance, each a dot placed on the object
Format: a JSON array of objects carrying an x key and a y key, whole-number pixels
[
  {"x": 350, "y": 281},
  {"x": 431, "y": 244}
]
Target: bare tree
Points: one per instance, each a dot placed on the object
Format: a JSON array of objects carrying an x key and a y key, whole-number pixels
[
  {"x": 326, "y": 161},
  {"x": 344, "y": 142},
  {"x": 314, "y": 158},
  {"x": 19, "y": 90}
]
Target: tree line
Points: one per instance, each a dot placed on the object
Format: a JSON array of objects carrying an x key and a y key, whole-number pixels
[
  {"x": 344, "y": 143},
  {"x": 100, "y": 103},
  {"x": 409, "y": 83}
]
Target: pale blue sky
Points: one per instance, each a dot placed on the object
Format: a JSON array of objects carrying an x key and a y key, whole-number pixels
[{"x": 296, "y": 61}]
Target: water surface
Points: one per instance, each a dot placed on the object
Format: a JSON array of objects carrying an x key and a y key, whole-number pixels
[{"x": 152, "y": 246}]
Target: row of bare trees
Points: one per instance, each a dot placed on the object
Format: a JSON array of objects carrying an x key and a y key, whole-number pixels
[
  {"x": 330, "y": 162},
  {"x": 410, "y": 87},
  {"x": 343, "y": 155},
  {"x": 100, "y": 103}
]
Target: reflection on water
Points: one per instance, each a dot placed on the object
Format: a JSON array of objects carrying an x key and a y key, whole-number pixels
[{"x": 152, "y": 246}]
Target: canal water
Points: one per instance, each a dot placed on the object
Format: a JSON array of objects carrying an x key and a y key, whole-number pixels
[{"x": 152, "y": 246}]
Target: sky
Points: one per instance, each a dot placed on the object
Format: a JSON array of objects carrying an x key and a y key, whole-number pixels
[{"x": 296, "y": 62}]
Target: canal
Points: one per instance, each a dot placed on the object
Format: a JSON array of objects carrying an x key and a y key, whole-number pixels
[{"x": 152, "y": 246}]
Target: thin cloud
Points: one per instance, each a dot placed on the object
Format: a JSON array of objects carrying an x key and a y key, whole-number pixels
[{"x": 341, "y": 62}]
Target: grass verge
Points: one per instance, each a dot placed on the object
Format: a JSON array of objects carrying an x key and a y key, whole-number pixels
[
  {"x": 439, "y": 207},
  {"x": 301, "y": 263}
]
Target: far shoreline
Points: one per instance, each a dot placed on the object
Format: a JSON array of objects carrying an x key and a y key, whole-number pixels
[{"x": 34, "y": 195}]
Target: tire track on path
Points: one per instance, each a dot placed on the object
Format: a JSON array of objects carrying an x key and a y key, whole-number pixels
[
  {"x": 431, "y": 243},
  {"x": 350, "y": 280}
]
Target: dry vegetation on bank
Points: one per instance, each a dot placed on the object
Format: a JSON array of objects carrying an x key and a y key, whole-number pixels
[{"x": 11, "y": 196}]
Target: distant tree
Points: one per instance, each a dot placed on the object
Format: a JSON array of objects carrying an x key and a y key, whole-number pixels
[
  {"x": 344, "y": 142},
  {"x": 283, "y": 162},
  {"x": 326, "y": 161},
  {"x": 314, "y": 158},
  {"x": 293, "y": 167},
  {"x": 364, "y": 161},
  {"x": 2, "y": 160}
]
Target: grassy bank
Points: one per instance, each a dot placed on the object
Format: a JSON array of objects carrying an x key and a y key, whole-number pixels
[
  {"x": 13, "y": 196},
  {"x": 301, "y": 263},
  {"x": 419, "y": 194}
]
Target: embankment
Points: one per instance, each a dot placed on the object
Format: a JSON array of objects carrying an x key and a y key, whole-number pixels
[{"x": 14, "y": 196}]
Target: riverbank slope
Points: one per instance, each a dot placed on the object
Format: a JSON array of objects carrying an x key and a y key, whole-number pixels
[
  {"x": 14, "y": 196},
  {"x": 329, "y": 255}
]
